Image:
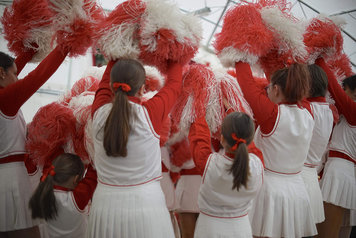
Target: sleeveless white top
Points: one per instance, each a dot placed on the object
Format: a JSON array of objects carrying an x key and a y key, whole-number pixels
[
  {"x": 216, "y": 196},
  {"x": 286, "y": 147},
  {"x": 13, "y": 134},
  {"x": 323, "y": 118},
  {"x": 71, "y": 221},
  {"x": 143, "y": 161},
  {"x": 344, "y": 138}
]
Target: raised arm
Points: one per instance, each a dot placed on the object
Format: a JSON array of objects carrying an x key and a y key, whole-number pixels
[
  {"x": 23, "y": 59},
  {"x": 104, "y": 94},
  {"x": 85, "y": 189},
  {"x": 343, "y": 103},
  {"x": 265, "y": 111},
  {"x": 199, "y": 140},
  {"x": 161, "y": 104},
  {"x": 15, "y": 95}
]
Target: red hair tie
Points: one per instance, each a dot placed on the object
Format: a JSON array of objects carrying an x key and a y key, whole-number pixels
[
  {"x": 50, "y": 171},
  {"x": 238, "y": 141},
  {"x": 124, "y": 87}
]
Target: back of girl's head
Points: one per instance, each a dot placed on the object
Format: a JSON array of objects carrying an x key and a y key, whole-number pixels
[
  {"x": 64, "y": 167},
  {"x": 6, "y": 61},
  {"x": 294, "y": 82},
  {"x": 318, "y": 81},
  {"x": 117, "y": 126},
  {"x": 238, "y": 125},
  {"x": 350, "y": 83}
]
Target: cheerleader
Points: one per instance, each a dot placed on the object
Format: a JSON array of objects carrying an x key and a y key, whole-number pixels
[
  {"x": 15, "y": 216},
  {"x": 338, "y": 184},
  {"x": 323, "y": 118},
  {"x": 285, "y": 125},
  {"x": 128, "y": 201},
  {"x": 230, "y": 181},
  {"x": 62, "y": 196}
]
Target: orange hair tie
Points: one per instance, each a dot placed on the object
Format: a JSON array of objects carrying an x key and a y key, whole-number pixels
[
  {"x": 49, "y": 171},
  {"x": 124, "y": 87},
  {"x": 238, "y": 141}
]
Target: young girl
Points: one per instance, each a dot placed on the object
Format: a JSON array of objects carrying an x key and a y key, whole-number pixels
[
  {"x": 338, "y": 184},
  {"x": 323, "y": 118},
  {"x": 129, "y": 201},
  {"x": 62, "y": 196},
  {"x": 285, "y": 126},
  {"x": 230, "y": 181},
  {"x": 15, "y": 217}
]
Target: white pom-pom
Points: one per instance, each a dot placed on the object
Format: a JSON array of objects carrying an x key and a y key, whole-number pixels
[{"x": 229, "y": 55}]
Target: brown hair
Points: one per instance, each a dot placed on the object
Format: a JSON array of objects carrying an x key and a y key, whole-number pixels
[
  {"x": 6, "y": 61},
  {"x": 318, "y": 81},
  {"x": 242, "y": 125},
  {"x": 294, "y": 82},
  {"x": 43, "y": 201},
  {"x": 117, "y": 125}
]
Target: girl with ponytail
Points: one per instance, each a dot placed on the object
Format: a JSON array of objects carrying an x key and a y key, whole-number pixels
[
  {"x": 62, "y": 196},
  {"x": 127, "y": 153},
  {"x": 285, "y": 127},
  {"x": 230, "y": 181}
]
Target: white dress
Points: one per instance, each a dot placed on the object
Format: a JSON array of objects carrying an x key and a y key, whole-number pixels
[
  {"x": 282, "y": 207},
  {"x": 323, "y": 119},
  {"x": 128, "y": 201},
  {"x": 224, "y": 211}
]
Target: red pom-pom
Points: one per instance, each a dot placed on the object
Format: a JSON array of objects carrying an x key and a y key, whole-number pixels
[
  {"x": 341, "y": 66},
  {"x": 75, "y": 23},
  {"x": 323, "y": 38},
  {"x": 180, "y": 153},
  {"x": 49, "y": 130},
  {"x": 27, "y": 25},
  {"x": 86, "y": 84},
  {"x": 244, "y": 36}
]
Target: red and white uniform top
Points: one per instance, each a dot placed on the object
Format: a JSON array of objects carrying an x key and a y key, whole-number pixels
[
  {"x": 143, "y": 161},
  {"x": 216, "y": 196},
  {"x": 72, "y": 218},
  {"x": 343, "y": 140},
  {"x": 13, "y": 96},
  {"x": 284, "y": 131},
  {"x": 324, "y": 119}
]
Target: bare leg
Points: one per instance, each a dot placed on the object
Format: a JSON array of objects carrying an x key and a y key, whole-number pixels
[
  {"x": 333, "y": 219},
  {"x": 187, "y": 224},
  {"x": 32, "y": 232},
  {"x": 175, "y": 225},
  {"x": 345, "y": 232}
]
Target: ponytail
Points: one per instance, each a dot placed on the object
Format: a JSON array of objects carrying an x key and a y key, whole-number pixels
[
  {"x": 127, "y": 77},
  {"x": 43, "y": 202},
  {"x": 238, "y": 130},
  {"x": 240, "y": 167},
  {"x": 294, "y": 82},
  {"x": 117, "y": 126}
]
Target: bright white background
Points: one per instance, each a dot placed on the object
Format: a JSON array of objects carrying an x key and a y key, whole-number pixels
[{"x": 72, "y": 69}]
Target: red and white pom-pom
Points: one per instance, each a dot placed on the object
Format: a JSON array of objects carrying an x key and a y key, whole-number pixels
[
  {"x": 154, "y": 79},
  {"x": 197, "y": 84},
  {"x": 166, "y": 34},
  {"x": 244, "y": 36},
  {"x": 94, "y": 71},
  {"x": 49, "y": 131},
  {"x": 275, "y": 60},
  {"x": 86, "y": 84},
  {"x": 75, "y": 23},
  {"x": 323, "y": 38},
  {"x": 288, "y": 31},
  {"x": 341, "y": 66},
  {"x": 181, "y": 157},
  {"x": 27, "y": 25},
  {"x": 118, "y": 32}
]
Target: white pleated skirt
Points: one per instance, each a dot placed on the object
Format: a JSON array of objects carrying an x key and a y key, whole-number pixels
[
  {"x": 169, "y": 191},
  {"x": 338, "y": 185},
  {"x": 311, "y": 182},
  {"x": 187, "y": 192},
  {"x": 282, "y": 208},
  {"x": 129, "y": 212},
  {"x": 213, "y": 227},
  {"x": 15, "y": 194}
]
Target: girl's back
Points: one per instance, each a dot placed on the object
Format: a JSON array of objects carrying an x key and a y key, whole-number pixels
[{"x": 142, "y": 163}]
